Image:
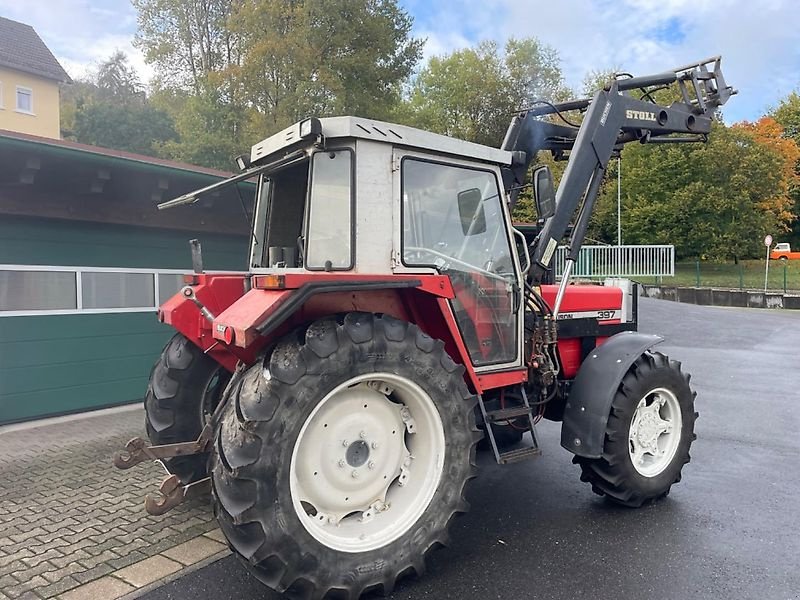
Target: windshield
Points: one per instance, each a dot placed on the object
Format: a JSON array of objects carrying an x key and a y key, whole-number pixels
[{"x": 453, "y": 217}]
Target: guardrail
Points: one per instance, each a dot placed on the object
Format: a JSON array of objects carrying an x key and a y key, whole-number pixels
[{"x": 619, "y": 261}]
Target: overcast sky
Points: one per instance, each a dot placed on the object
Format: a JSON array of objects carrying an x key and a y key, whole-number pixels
[{"x": 759, "y": 40}]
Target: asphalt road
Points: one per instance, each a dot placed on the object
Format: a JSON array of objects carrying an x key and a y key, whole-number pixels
[{"x": 730, "y": 529}]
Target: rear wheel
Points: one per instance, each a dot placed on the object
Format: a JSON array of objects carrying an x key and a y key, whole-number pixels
[
  {"x": 648, "y": 434},
  {"x": 343, "y": 456},
  {"x": 184, "y": 389}
]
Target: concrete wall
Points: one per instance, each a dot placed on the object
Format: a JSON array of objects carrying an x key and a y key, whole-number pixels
[
  {"x": 45, "y": 120},
  {"x": 719, "y": 297}
]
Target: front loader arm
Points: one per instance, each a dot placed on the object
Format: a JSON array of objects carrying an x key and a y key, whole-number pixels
[{"x": 613, "y": 117}]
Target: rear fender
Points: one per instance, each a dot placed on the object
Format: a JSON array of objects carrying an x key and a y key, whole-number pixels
[
  {"x": 263, "y": 316},
  {"x": 591, "y": 394}
]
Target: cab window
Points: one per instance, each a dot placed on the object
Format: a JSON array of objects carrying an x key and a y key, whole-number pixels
[{"x": 453, "y": 220}]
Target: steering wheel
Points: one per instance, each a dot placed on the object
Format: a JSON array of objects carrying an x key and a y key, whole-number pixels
[{"x": 452, "y": 260}]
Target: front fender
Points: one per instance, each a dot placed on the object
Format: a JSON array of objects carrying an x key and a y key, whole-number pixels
[{"x": 590, "y": 397}]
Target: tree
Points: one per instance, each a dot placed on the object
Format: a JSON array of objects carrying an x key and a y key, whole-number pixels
[
  {"x": 322, "y": 57},
  {"x": 787, "y": 115},
  {"x": 472, "y": 93},
  {"x": 186, "y": 40},
  {"x": 209, "y": 129},
  {"x": 714, "y": 200},
  {"x": 110, "y": 109},
  {"x": 233, "y": 72},
  {"x": 115, "y": 78}
]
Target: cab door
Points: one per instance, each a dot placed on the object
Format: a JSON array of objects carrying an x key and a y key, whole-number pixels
[{"x": 454, "y": 220}]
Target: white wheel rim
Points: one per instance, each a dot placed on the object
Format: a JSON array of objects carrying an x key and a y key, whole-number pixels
[
  {"x": 367, "y": 462},
  {"x": 655, "y": 432}
]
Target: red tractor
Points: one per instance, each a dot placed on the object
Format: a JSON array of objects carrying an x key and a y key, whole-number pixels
[{"x": 332, "y": 398}]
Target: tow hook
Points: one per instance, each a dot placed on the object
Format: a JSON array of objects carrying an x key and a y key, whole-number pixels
[
  {"x": 174, "y": 493},
  {"x": 137, "y": 451}
]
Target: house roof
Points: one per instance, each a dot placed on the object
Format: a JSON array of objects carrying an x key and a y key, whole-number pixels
[
  {"x": 22, "y": 49},
  {"x": 110, "y": 154}
]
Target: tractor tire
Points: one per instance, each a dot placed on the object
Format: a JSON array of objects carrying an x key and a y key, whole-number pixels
[
  {"x": 184, "y": 389},
  {"x": 648, "y": 435},
  {"x": 342, "y": 457}
]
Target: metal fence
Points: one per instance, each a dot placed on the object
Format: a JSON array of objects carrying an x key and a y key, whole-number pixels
[{"x": 619, "y": 261}]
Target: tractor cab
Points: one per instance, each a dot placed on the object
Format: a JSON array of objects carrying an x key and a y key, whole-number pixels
[{"x": 352, "y": 197}]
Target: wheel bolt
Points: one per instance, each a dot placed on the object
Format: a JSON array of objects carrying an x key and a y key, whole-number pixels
[
  {"x": 363, "y": 435},
  {"x": 371, "y": 465},
  {"x": 345, "y": 443},
  {"x": 341, "y": 463},
  {"x": 354, "y": 474},
  {"x": 374, "y": 445}
]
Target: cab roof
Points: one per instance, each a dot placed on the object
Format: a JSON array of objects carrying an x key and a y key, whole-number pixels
[{"x": 378, "y": 131}]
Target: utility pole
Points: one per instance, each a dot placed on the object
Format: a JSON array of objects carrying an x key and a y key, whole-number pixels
[
  {"x": 619, "y": 215},
  {"x": 619, "y": 201}
]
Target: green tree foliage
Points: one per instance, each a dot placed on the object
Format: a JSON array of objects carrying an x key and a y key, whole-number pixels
[
  {"x": 787, "y": 114},
  {"x": 209, "y": 128},
  {"x": 233, "y": 72},
  {"x": 710, "y": 200},
  {"x": 472, "y": 93},
  {"x": 196, "y": 56},
  {"x": 186, "y": 40},
  {"x": 111, "y": 110},
  {"x": 322, "y": 57}
]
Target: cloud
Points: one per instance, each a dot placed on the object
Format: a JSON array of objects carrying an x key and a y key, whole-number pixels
[
  {"x": 758, "y": 40},
  {"x": 82, "y": 33}
]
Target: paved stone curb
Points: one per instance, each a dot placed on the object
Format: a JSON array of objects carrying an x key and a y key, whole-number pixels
[{"x": 132, "y": 581}]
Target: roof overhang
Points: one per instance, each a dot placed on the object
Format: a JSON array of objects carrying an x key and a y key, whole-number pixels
[{"x": 46, "y": 178}]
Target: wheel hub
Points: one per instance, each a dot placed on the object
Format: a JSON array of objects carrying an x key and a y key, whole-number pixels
[
  {"x": 649, "y": 430},
  {"x": 351, "y": 453},
  {"x": 654, "y": 432},
  {"x": 357, "y": 453}
]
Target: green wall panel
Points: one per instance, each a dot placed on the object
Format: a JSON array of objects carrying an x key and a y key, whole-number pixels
[{"x": 58, "y": 364}]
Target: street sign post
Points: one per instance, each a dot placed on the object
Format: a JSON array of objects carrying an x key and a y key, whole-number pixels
[{"x": 767, "y": 243}]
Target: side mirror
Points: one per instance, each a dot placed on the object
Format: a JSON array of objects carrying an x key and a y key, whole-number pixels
[
  {"x": 544, "y": 194},
  {"x": 470, "y": 209}
]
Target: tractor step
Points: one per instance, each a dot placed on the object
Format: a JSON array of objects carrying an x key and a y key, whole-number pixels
[
  {"x": 509, "y": 414},
  {"x": 505, "y": 414},
  {"x": 517, "y": 455}
]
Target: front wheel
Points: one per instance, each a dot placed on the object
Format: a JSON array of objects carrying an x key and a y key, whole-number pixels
[
  {"x": 342, "y": 457},
  {"x": 648, "y": 434}
]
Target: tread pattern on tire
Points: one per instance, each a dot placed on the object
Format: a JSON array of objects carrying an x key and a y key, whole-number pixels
[
  {"x": 173, "y": 411},
  {"x": 250, "y": 467},
  {"x": 612, "y": 475}
]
